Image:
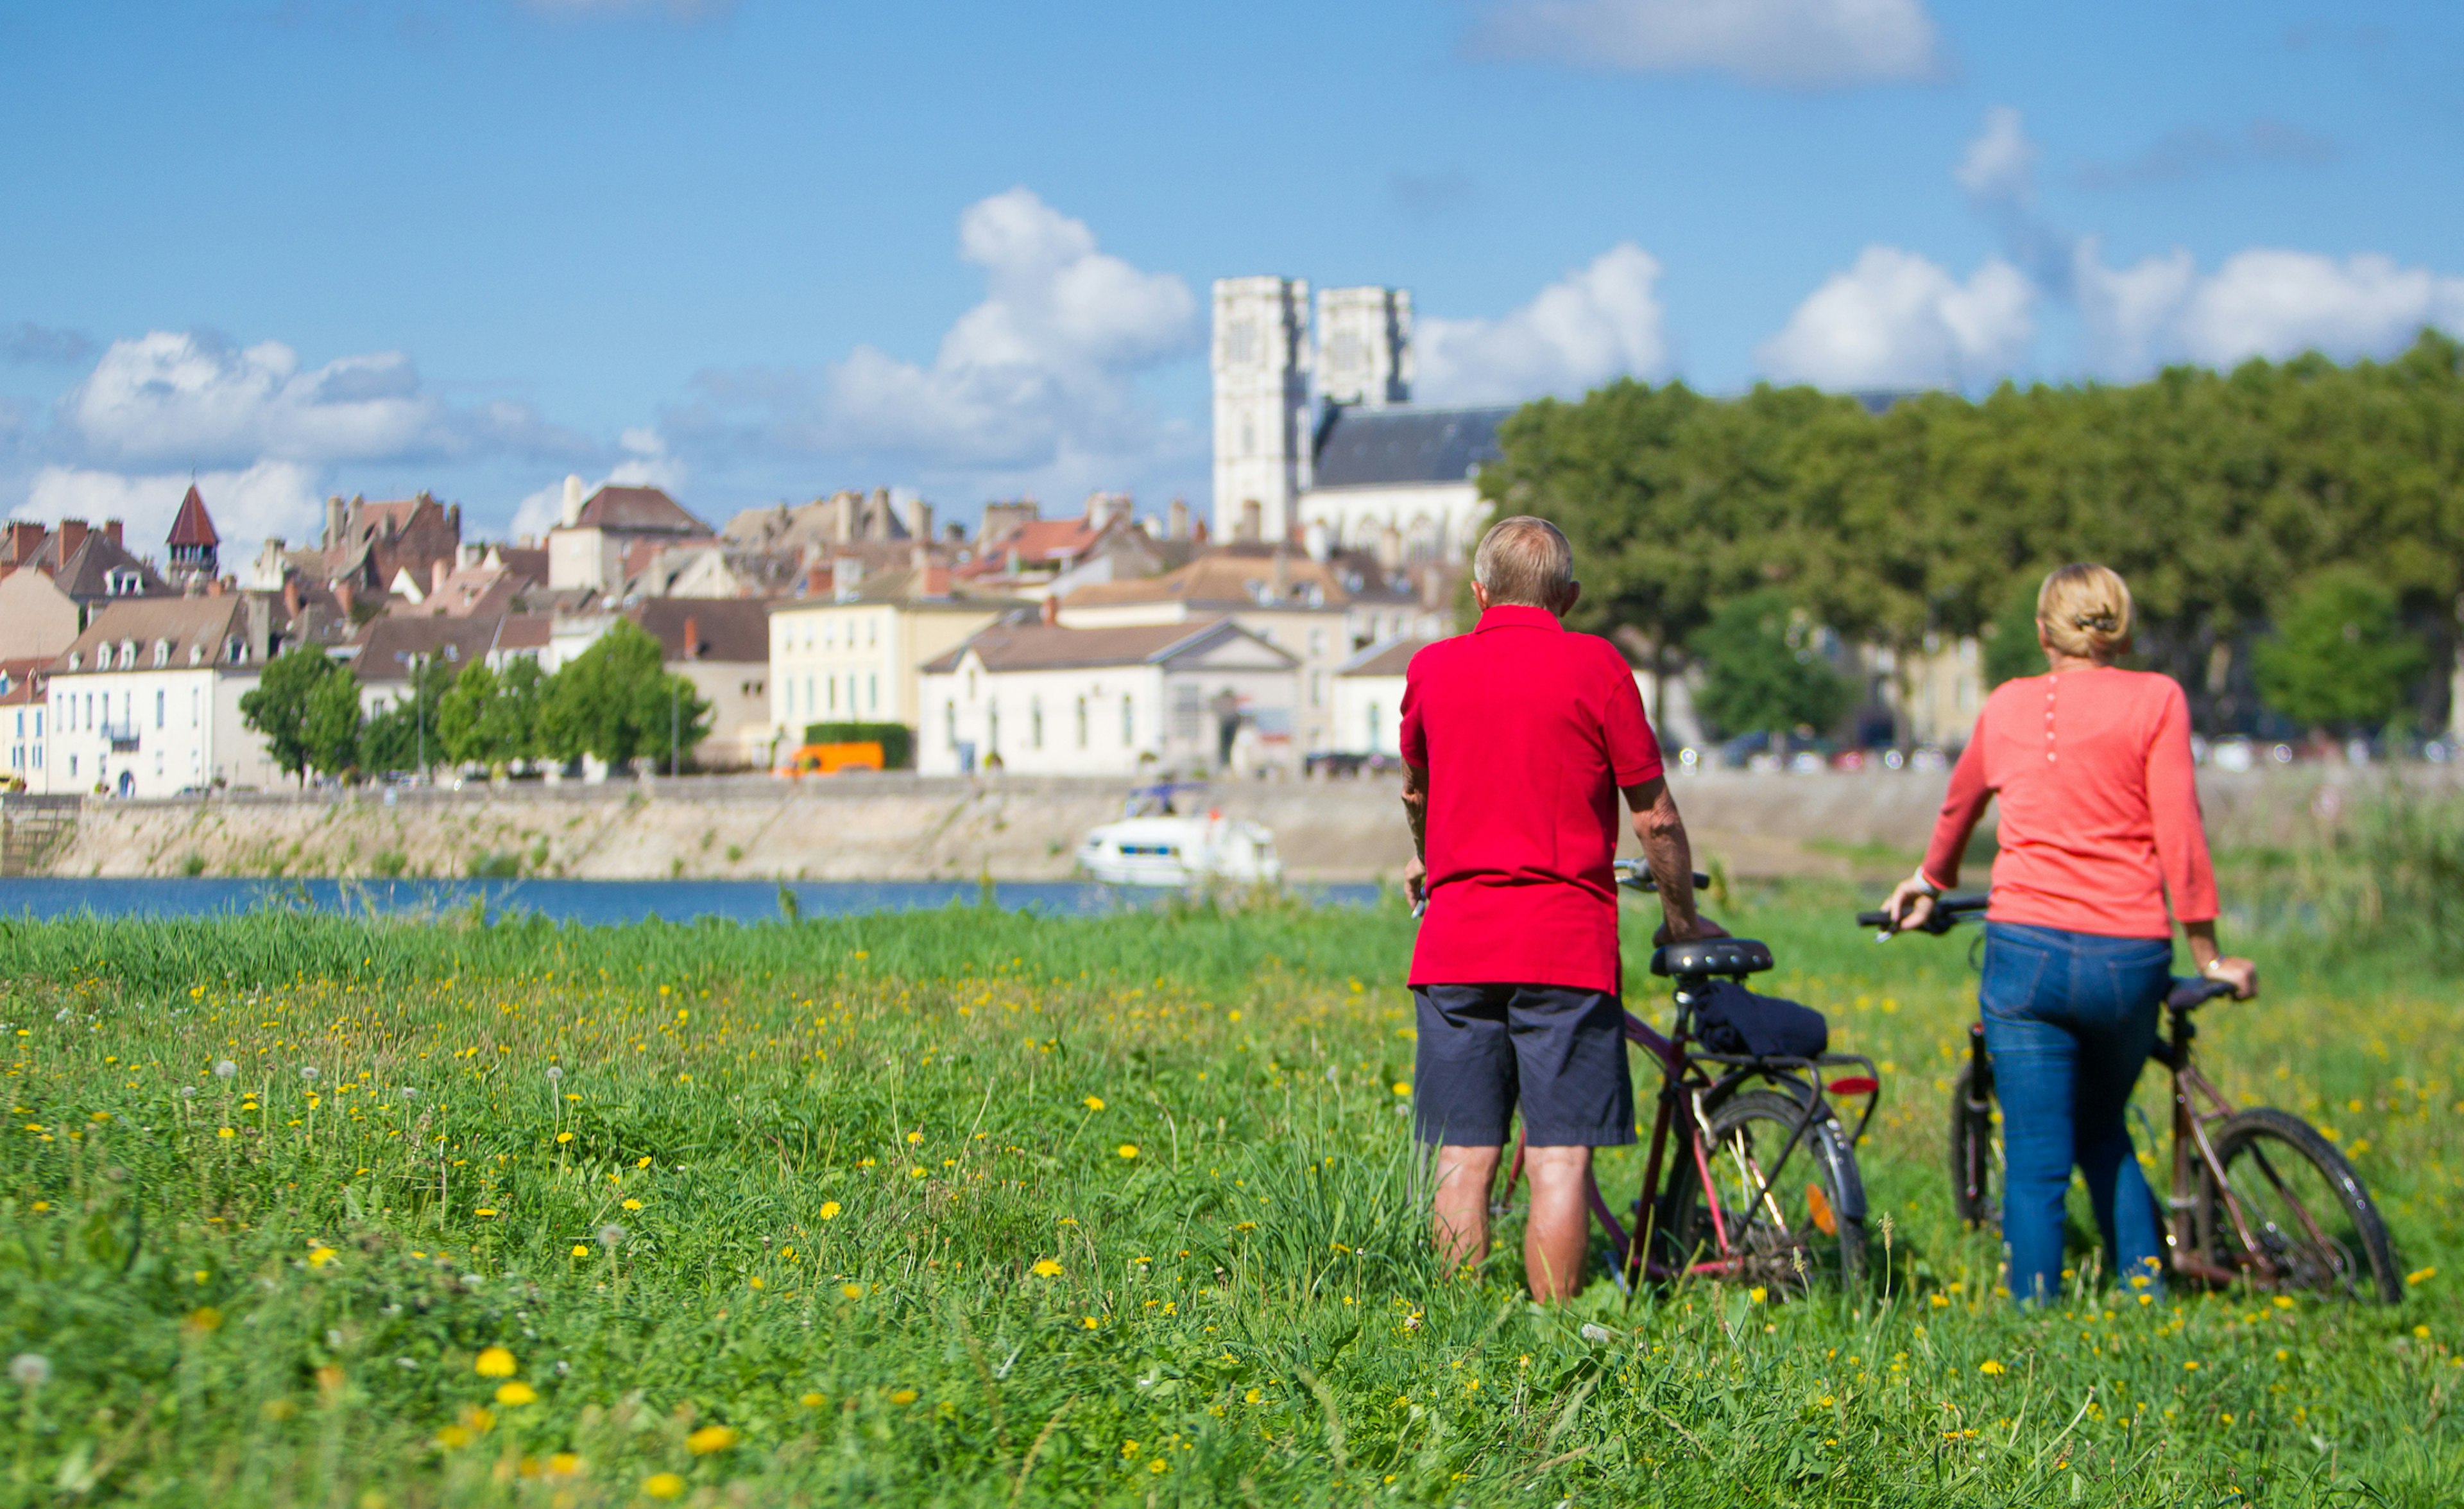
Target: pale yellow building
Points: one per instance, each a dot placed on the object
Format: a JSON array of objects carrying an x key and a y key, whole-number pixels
[{"x": 854, "y": 654}]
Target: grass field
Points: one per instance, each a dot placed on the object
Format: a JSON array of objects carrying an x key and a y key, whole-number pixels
[{"x": 965, "y": 1207}]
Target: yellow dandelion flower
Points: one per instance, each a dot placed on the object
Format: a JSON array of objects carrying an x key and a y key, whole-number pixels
[
  {"x": 2421, "y": 1276},
  {"x": 915, "y": 1137},
  {"x": 755, "y": 1280},
  {"x": 1090, "y": 1322},
  {"x": 452, "y": 1436},
  {"x": 493, "y": 1361},
  {"x": 664, "y": 1485},
  {"x": 1759, "y": 1294},
  {"x": 515, "y": 1393},
  {"x": 1402, "y": 1087},
  {"x": 1158, "y": 1466},
  {"x": 565, "y": 1136},
  {"x": 710, "y": 1438},
  {"x": 564, "y": 1464},
  {"x": 1254, "y": 1396},
  {"x": 226, "y": 1132},
  {"x": 632, "y": 1205},
  {"x": 485, "y": 1209},
  {"x": 1128, "y": 1149},
  {"x": 916, "y": 1172},
  {"x": 853, "y": 1290},
  {"x": 903, "y": 1396},
  {"x": 1094, "y": 1102},
  {"x": 581, "y": 1251},
  {"x": 1046, "y": 1268},
  {"x": 319, "y": 1257},
  {"x": 640, "y": 1163},
  {"x": 829, "y": 1209},
  {"x": 812, "y": 1401},
  {"x": 1990, "y": 1368}
]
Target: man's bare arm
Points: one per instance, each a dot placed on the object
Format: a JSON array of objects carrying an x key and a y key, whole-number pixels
[
  {"x": 1415, "y": 812},
  {"x": 1662, "y": 832}
]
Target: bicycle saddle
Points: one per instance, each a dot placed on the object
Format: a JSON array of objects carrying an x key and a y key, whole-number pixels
[{"x": 1705, "y": 957}]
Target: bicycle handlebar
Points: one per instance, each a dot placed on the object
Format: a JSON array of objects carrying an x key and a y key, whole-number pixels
[
  {"x": 1636, "y": 875},
  {"x": 1948, "y": 912}
]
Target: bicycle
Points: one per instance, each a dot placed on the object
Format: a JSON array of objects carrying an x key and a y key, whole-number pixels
[
  {"x": 2245, "y": 1183},
  {"x": 1733, "y": 1205}
]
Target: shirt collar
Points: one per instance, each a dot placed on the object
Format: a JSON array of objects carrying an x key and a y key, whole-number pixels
[{"x": 1516, "y": 615}]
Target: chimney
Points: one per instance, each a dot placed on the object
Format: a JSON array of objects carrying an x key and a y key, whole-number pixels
[
  {"x": 437, "y": 571},
  {"x": 1176, "y": 526},
  {"x": 842, "y": 515},
  {"x": 343, "y": 597},
  {"x": 878, "y": 517},
  {"x": 936, "y": 581},
  {"x": 260, "y": 627},
  {"x": 1051, "y": 611},
  {"x": 1317, "y": 540},
  {"x": 919, "y": 519},
  {"x": 291, "y": 599},
  {"x": 73, "y": 533},
  {"x": 336, "y": 521},
  {"x": 692, "y": 639},
  {"x": 572, "y": 500},
  {"x": 111, "y": 531},
  {"x": 453, "y": 520}
]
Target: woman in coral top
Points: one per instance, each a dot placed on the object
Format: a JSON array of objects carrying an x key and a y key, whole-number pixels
[{"x": 2099, "y": 829}]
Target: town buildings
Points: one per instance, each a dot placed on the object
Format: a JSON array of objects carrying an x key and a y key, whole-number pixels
[
  {"x": 1033, "y": 698},
  {"x": 146, "y": 702},
  {"x": 853, "y": 649},
  {"x": 589, "y": 545}
]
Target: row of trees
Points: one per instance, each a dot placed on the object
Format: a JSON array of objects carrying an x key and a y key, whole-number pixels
[
  {"x": 613, "y": 703},
  {"x": 2292, "y": 532}
]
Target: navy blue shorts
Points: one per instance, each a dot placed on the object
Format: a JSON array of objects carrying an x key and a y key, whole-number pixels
[{"x": 1559, "y": 1053}]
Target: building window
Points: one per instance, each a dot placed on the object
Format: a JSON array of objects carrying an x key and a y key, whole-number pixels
[
  {"x": 1128, "y": 720},
  {"x": 159, "y": 701},
  {"x": 196, "y": 706},
  {"x": 992, "y": 730},
  {"x": 1082, "y": 723},
  {"x": 1035, "y": 722},
  {"x": 1317, "y": 642},
  {"x": 1373, "y": 746},
  {"x": 950, "y": 724},
  {"x": 1187, "y": 713},
  {"x": 830, "y": 689},
  {"x": 872, "y": 690},
  {"x": 1318, "y": 688}
]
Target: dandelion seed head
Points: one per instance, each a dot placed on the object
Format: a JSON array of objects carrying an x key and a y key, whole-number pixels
[
  {"x": 223, "y": 1069},
  {"x": 553, "y": 1073},
  {"x": 307, "y": 1071},
  {"x": 30, "y": 1369},
  {"x": 612, "y": 1235}
]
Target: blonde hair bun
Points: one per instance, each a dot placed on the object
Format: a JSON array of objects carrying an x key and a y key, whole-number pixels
[{"x": 2083, "y": 610}]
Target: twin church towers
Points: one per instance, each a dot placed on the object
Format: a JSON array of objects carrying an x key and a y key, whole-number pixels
[{"x": 1278, "y": 375}]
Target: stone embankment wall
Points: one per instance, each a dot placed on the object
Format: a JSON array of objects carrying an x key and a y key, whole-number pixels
[{"x": 1866, "y": 825}]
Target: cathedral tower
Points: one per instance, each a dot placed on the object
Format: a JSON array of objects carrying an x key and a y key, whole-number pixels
[
  {"x": 1261, "y": 404},
  {"x": 1364, "y": 345}
]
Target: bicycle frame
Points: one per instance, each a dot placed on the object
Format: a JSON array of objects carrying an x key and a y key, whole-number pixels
[{"x": 1684, "y": 1083}]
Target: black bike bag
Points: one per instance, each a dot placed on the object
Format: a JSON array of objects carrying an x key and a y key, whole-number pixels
[{"x": 1732, "y": 1020}]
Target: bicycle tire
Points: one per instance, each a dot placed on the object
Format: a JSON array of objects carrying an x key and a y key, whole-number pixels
[
  {"x": 1805, "y": 1231},
  {"x": 2256, "y": 1147},
  {"x": 1976, "y": 1156}
]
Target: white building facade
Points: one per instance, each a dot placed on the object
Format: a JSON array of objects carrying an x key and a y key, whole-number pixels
[
  {"x": 1040, "y": 700},
  {"x": 145, "y": 703}
]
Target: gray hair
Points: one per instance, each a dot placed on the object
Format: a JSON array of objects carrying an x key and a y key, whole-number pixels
[{"x": 1525, "y": 560}]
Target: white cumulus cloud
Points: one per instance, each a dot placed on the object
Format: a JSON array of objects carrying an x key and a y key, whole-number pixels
[
  {"x": 2000, "y": 163},
  {"x": 1897, "y": 320},
  {"x": 1041, "y": 369},
  {"x": 269, "y": 497},
  {"x": 2262, "y": 303},
  {"x": 1798, "y": 43},
  {"x": 1597, "y": 322},
  {"x": 185, "y": 396}
]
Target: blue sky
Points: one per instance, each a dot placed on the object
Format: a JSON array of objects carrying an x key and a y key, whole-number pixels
[{"x": 757, "y": 251}]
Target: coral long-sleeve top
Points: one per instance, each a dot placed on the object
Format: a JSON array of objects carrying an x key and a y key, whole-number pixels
[{"x": 2099, "y": 811}]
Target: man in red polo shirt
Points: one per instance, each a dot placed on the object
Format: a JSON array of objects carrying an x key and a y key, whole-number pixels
[{"x": 1516, "y": 740}]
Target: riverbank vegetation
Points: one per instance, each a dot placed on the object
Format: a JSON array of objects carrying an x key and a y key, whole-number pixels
[{"x": 971, "y": 1208}]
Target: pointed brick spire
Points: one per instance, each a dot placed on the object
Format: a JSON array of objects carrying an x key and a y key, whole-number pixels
[{"x": 194, "y": 528}]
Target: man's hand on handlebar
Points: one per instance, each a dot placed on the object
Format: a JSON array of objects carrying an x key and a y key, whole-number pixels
[
  {"x": 1910, "y": 905},
  {"x": 1704, "y": 927}
]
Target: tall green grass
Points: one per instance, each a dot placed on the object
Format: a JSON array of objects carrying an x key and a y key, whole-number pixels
[{"x": 969, "y": 1207}]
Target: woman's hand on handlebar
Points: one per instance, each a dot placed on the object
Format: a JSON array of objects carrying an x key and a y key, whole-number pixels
[
  {"x": 2239, "y": 973},
  {"x": 1910, "y": 904}
]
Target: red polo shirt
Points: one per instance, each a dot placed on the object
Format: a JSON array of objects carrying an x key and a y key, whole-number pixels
[{"x": 1528, "y": 733}]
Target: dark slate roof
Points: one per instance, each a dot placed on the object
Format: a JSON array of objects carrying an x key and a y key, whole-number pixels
[
  {"x": 387, "y": 645},
  {"x": 1398, "y": 447},
  {"x": 730, "y": 628},
  {"x": 638, "y": 510}
]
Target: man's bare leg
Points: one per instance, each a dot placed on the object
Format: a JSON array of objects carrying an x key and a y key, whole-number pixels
[
  {"x": 1557, "y": 1239},
  {"x": 1460, "y": 1221}
]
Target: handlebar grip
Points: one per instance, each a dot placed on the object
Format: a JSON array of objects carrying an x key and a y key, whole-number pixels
[{"x": 1873, "y": 919}]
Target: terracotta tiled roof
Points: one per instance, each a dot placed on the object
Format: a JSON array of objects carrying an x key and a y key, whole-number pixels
[
  {"x": 1227, "y": 581},
  {"x": 1388, "y": 657},
  {"x": 730, "y": 629},
  {"x": 193, "y": 526},
  {"x": 1040, "y": 646},
  {"x": 641, "y": 510},
  {"x": 191, "y": 631},
  {"x": 1037, "y": 543},
  {"x": 387, "y": 645}
]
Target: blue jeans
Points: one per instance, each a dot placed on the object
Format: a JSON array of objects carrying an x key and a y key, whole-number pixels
[{"x": 2069, "y": 1018}]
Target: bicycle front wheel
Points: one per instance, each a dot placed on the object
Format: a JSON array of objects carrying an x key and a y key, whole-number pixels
[
  {"x": 1975, "y": 1154},
  {"x": 2300, "y": 1217},
  {"x": 1778, "y": 1216}
]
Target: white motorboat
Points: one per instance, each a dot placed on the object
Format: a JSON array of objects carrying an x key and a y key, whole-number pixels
[{"x": 1172, "y": 851}]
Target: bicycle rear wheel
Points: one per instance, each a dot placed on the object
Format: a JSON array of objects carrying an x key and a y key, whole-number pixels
[
  {"x": 2312, "y": 1225},
  {"x": 1808, "y": 1228},
  {"x": 1975, "y": 1154}
]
